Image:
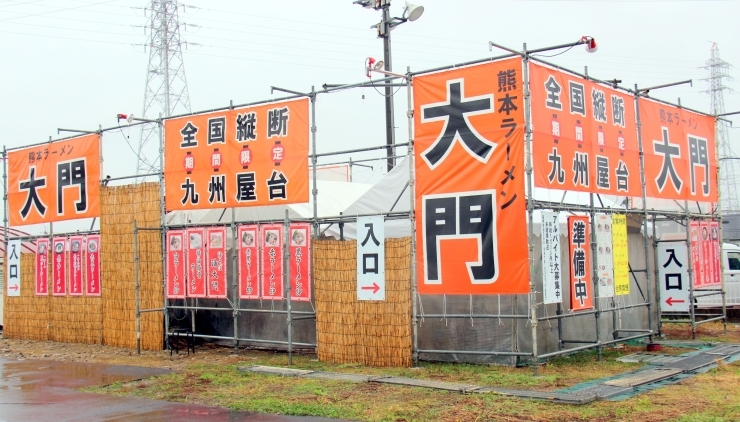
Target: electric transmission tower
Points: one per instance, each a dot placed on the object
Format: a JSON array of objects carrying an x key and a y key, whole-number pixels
[
  {"x": 166, "y": 90},
  {"x": 718, "y": 74}
]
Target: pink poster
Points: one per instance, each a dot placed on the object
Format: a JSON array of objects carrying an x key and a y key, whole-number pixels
[
  {"x": 696, "y": 253},
  {"x": 249, "y": 280},
  {"x": 60, "y": 266},
  {"x": 716, "y": 252},
  {"x": 272, "y": 261},
  {"x": 175, "y": 264},
  {"x": 707, "y": 254},
  {"x": 300, "y": 262},
  {"x": 42, "y": 267},
  {"x": 76, "y": 284},
  {"x": 217, "y": 262},
  {"x": 92, "y": 265},
  {"x": 195, "y": 268}
]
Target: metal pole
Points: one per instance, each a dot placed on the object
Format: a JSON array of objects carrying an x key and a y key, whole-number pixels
[
  {"x": 595, "y": 275},
  {"x": 166, "y": 59},
  {"x": 286, "y": 284},
  {"x": 720, "y": 234},
  {"x": 136, "y": 288},
  {"x": 530, "y": 204},
  {"x": 643, "y": 184},
  {"x": 389, "y": 125},
  {"x": 692, "y": 317},
  {"x": 412, "y": 222},
  {"x": 5, "y": 213},
  {"x": 235, "y": 277},
  {"x": 163, "y": 236},
  {"x": 314, "y": 159},
  {"x": 657, "y": 281}
]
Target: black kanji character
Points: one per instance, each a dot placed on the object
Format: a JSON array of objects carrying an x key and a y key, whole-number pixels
[
  {"x": 373, "y": 267},
  {"x": 246, "y": 127},
  {"x": 581, "y": 292},
  {"x": 622, "y": 176},
  {"x": 511, "y": 124},
  {"x": 245, "y": 187},
  {"x": 506, "y": 80},
  {"x": 72, "y": 174},
  {"x": 217, "y": 189},
  {"x": 674, "y": 281},
  {"x": 577, "y": 100},
  {"x": 579, "y": 232},
  {"x": 580, "y": 169},
  {"x": 31, "y": 157},
  {"x": 618, "y": 111},
  {"x": 277, "y": 186},
  {"x": 370, "y": 235},
  {"x": 507, "y": 104},
  {"x": 698, "y": 156},
  {"x": 598, "y": 102},
  {"x": 190, "y": 194},
  {"x": 557, "y": 170},
  {"x": 188, "y": 136},
  {"x": 553, "y": 89},
  {"x": 453, "y": 112},
  {"x": 216, "y": 130},
  {"x": 579, "y": 263},
  {"x": 671, "y": 257},
  {"x": 32, "y": 199},
  {"x": 277, "y": 122},
  {"x": 668, "y": 150},
  {"x": 602, "y": 172}
]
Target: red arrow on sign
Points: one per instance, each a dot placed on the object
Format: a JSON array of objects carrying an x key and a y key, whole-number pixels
[
  {"x": 15, "y": 287},
  {"x": 374, "y": 287},
  {"x": 670, "y": 301}
]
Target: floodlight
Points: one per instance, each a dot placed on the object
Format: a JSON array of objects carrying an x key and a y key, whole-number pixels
[
  {"x": 413, "y": 11},
  {"x": 590, "y": 43}
]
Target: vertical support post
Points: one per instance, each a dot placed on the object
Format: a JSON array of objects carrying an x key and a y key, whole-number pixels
[
  {"x": 286, "y": 284},
  {"x": 595, "y": 275},
  {"x": 643, "y": 184},
  {"x": 136, "y": 289},
  {"x": 692, "y": 317},
  {"x": 314, "y": 160},
  {"x": 720, "y": 234},
  {"x": 559, "y": 311},
  {"x": 163, "y": 233},
  {"x": 412, "y": 221},
  {"x": 235, "y": 277},
  {"x": 657, "y": 280},
  {"x": 530, "y": 203},
  {"x": 390, "y": 130},
  {"x": 5, "y": 213}
]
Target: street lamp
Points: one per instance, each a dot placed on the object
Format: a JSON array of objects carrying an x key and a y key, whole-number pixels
[{"x": 411, "y": 12}]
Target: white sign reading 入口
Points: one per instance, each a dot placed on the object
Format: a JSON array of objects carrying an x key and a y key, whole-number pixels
[
  {"x": 370, "y": 258},
  {"x": 673, "y": 276},
  {"x": 13, "y": 278}
]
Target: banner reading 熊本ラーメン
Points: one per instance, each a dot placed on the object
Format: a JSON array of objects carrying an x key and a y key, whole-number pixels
[
  {"x": 680, "y": 159},
  {"x": 237, "y": 158},
  {"x": 55, "y": 181},
  {"x": 470, "y": 201}
]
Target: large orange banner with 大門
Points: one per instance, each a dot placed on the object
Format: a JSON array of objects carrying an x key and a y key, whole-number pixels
[
  {"x": 584, "y": 134},
  {"x": 55, "y": 181},
  {"x": 236, "y": 158},
  {"x": 469, "y": 162},
  {"x": 680, "y": 155}
]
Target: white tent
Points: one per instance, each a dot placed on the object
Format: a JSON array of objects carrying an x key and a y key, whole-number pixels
[
  {"x": 333, "y": 197},
  {"x": 390, "y": 194}
]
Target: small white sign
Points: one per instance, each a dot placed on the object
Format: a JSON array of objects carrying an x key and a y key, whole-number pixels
[
  {"x": 13, "y": 268},
  {"x": 370, "y": 258},
  {"x": 673, "y": 276},
  {"x": 552, "y": 275},
  {"x": 604, "y": 261}
]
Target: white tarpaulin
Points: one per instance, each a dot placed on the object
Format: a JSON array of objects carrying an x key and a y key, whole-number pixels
[{"x": 552, "y": 291}]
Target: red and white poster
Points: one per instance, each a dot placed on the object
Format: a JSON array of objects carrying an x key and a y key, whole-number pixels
[
  {"x": 581, "y": 287},
  {"x": 42, "y": 267},
  {"x": 249, "y": 280},
  {"x": 707, "y": 254},
  {"x": 195, "y": 266},
  {"x": 216, "y": 262},
  {"x": 92, "y": 265},
  {"x": 300, "y": 262},
  {"x": 696, "y": 250},
  {"x": 272, "y": 261},
  {"x": 717, "y": 252},
  {"x": 175, "y": 265},
  {"x": 76, "y": 287},
  {"x": 59, "y": 271}
]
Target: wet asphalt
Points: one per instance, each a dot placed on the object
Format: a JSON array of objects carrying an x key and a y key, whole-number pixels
[{"x": 35, "y": 390}]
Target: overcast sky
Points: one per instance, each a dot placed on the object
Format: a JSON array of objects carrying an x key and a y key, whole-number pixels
[{"x": 77, "y": 63}]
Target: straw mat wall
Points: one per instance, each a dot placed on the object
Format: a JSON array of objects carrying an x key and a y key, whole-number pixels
[
  {"x": 27, "y": 316},
  {"x": 119, "y": 206},
  {"x": 376, "y": 333}
]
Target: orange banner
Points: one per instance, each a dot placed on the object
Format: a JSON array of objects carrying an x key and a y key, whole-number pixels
[
  {"x": 55, "y": 181},
  {"x": 238, "y": 158},
  {"x": 581, "y": 286},
  {"x": 469, "y": 161},
  {"x": 584, "y": 134},
  {"x": 680, "y": 159}
]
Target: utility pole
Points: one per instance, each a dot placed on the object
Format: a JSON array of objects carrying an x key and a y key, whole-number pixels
[
  {"x": 166, "y": 88},
  {"x": 384, "y": 31},
  {"x": 718, "y": 74}
]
